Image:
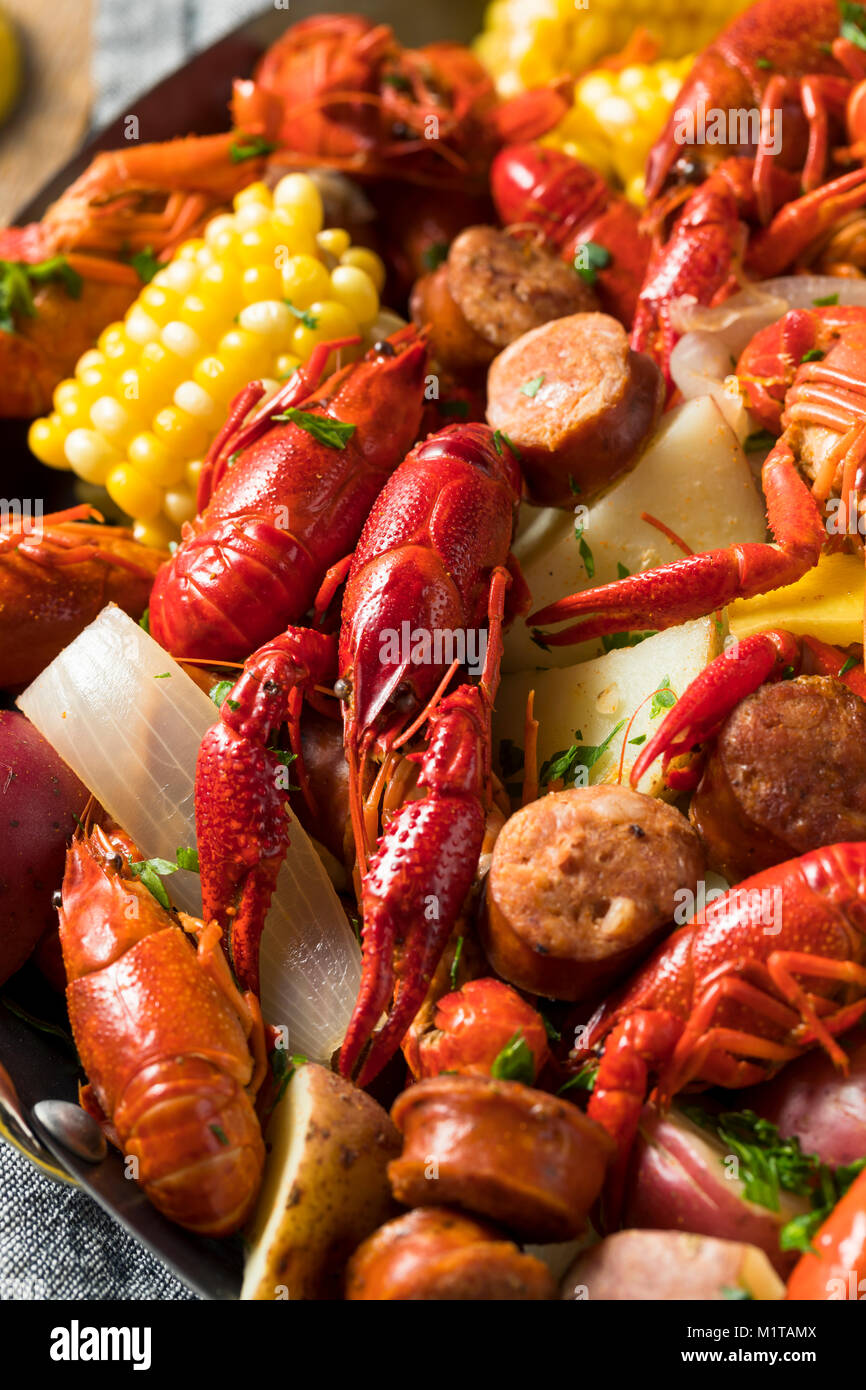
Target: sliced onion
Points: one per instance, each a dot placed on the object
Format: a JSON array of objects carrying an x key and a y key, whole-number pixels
[
  {"x": 129, "y": 721},
  {"x": 702, "y": 362}
]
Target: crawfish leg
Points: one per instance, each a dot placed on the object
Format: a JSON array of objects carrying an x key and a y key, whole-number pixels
[
  {"x": 782, "y": 965},
  {"x": 699, "y": 584},
  {"x": 240, "y": 801}
]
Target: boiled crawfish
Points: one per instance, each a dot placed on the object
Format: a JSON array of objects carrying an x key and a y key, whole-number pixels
[
  {"x": 174, "y": 1054},
  {"x": 814, "y": 361},
  {"x": 776, "y": 966},
  {"x": 278, "y": 507},
  {"x": 747, "y": 214},
  {"x": 56, "y": 574},
  {"x": 341, "y": 91}
]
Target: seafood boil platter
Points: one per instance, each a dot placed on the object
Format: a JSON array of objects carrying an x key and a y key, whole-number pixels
[{"x": 432, "y": 689}]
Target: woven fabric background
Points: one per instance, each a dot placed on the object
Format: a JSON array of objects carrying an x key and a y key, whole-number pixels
[{"x": 55, "y": 1242}]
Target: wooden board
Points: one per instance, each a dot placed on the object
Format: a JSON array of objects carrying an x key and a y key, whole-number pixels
[{"x": 52, "y": 116}]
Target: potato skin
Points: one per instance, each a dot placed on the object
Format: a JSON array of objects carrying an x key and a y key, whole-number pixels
[
  {"x": 40, "y": 796},
  {"x": 597, "y": 405},
  {"x": 787, "y": 774},
  {"x": 529, "y": 1160},
  {"x": 812, "y": 1099},
  {"x": 339, "y": 1192},
  {"x": 436, "y": 1253},
  {"x": 666, "y": 1266},
  {"x": 581, "y": 883}
]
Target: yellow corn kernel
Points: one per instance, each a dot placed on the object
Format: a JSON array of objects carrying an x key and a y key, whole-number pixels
[
  {"x": 298, "y": 193},
  {"x": 158, "y": 533},
  {"x": 333, "y": 241},
  {"x": 113, "y": 421},
  {"x": 179, "y": 505},
  {"x": 366, "y": 260},
  {"x": 72, "y": 405},
  {"x": 159, "y": 303},
  {"x": 286, "y": 365},
  {"x": 261, "y": 282},
  {"x": 133, "y": 493},
  {"x": 90, "y": 360},
  {"x": 203, "y": 316},
  {"x": 180, "y": 432},
  {"x": 192, "y": 473},
  {"x": 179, "y": 276},
  {"x": 221, "y": 286},
  {"x": 138, "y": 392},
  {"x": 258, "y": 245},
  {"x": 47, "y": 438},
  {"x": 270, "y": 319},
  {"x": 90, "y": 455},
  {"x": 190, "y": 249},
  {"x": 293, "y": 236},
  {"x": 154, "y": 461},
  {"x": 160, "y": 369},
  {"x": 241, "y": 349},
  {"x": 253, "y": 194},
  {"x": 353, "y": 288},
  {"x": 330, "y": 319},
  {"x": 118, "y": 350},
  {"x": 210, "y": 375},
  {"x": 304, "y": 280}
]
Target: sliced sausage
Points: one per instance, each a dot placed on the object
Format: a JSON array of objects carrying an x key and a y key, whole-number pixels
[
  {"x": 577, "y": 402},
  {"x": 504, "y": 285},
  {"x": 434, "y": 1253},
  {"x": 787, "y": 775},
  {"x": 664, "y": 1266},
  {"x": 580, "y": 885},
  {"x": 492, "y": 288},
  {"x": 529, "y": 1160}
]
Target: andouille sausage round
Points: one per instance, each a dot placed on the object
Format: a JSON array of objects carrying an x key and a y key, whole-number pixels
[
  {"x": 581, "y": 884},
  {"x": 493, "y": 288},
  {"x": 577, "y": 402},
  {"x": 438, "y": 1253},
  {"x": 787, "y": 774},
  {"x": 528, "y": 1160}
]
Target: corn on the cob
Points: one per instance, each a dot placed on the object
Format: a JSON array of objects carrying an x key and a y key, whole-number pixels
[
  {"x": 617, "y": 116},
  {"x": 525, "y": 43},
  {"x": 250, "y": 299}
]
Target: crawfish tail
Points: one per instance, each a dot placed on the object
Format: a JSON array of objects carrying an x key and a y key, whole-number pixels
[{"x": 163, "y": 1047}]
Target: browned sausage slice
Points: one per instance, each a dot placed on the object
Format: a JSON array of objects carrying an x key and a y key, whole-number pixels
[
  {"x": 527, "y": 1159},
  {"x": 581, "y": 883},
  {"x": 577, "y": 402},
  {"x": 435, "y": 1253},
  {"x": 787, "y": 775},
  {"x": 504, "y": 285}
]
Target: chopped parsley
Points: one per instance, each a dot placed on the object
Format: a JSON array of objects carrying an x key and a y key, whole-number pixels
[
  {"x": 500, "y": 438},
  {"x": 827, "y": 300},
  {"x": 759, "y": 442},
  {"x": 531, "y": 388},
  {"x": 585, "y": 552},
  {"x": 307, "y": 319},
  {"x": 853, "y": 25},
  {"x": 590, "y": 259},
  {"x": 813, "y": 355},
  {"x": 562, "y": 764},
  {"x": 334, "y": 433},
  {"x": 144, "y": 621},
  {"x": 515, "y": 1062},
  {"x": 663, "y": 698},
  {"x": 850, "y": 663},
  {"x": 433, "y": 255},
  {"x": 250, "y": 147},
  {"x": 458, "y": 952},
  {"x": 583, "y": 1080},
  {"x": 17, "y": 279},
  {"x": 283, "y": 1066},
  {"x": 145, "y": 264},
  {"x": 219, "y": 693}
]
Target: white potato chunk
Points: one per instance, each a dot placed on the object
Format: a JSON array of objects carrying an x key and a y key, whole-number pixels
[
  {"x": 693, "y": 476},
  {"x": 596, "y": 696}
]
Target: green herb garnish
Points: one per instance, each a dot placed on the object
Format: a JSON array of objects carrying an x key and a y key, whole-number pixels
[
  {"x": 17, "y": 279},
  {"x": 500, "y": 438},
  {"x": 813, "y": 355},
  {"x": 663, "y": 698},
  {"x": 759, "y": 442},
  {"x": 458, "y": 952},
  {"x": 250, "y": 147},
  {"x": 850, "y": 663},
  {"x": 531, "y": 388},
  {"x": 827, "y": 300},
  {"x": 515, "y": 1062},
  {"x": 307, "y": 319},
  {"x": 433, "y": 255},
  {"x": 562, "y": 764},
  {"x": 334, "y": 433},
  {"x": 145, "y": 264},
  {"x": 590, "y": 259},
  {"x": 585, "y": 552}
]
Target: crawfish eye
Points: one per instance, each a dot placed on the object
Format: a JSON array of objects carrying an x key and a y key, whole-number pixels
[
  {"x": 342, "y": 689},
  {"x": 117, "y": 863},
  {"x": 384, "y": 349},
  {"x": 57, "y": 899},
  {"x": 271, "y": 688}
]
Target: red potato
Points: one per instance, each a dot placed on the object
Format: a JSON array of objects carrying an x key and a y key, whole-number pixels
[
  {"x": 814, "y": 1101},
  {"x": 39, "y": 799},
  {"x": 666, "y": 1266},
  {"x": 679, "y": 1182}
]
